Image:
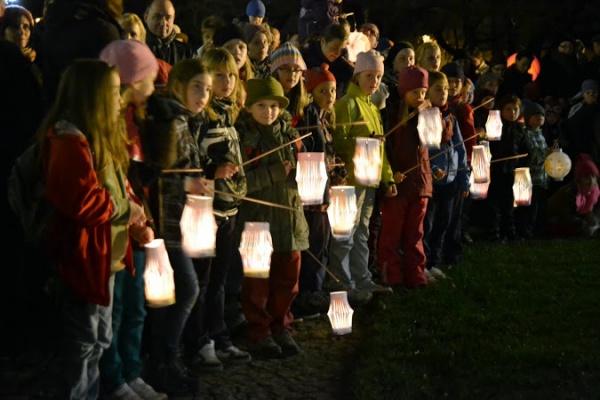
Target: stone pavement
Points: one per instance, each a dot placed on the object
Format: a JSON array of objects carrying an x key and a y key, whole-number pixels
[{"x": 320, "y": 372}]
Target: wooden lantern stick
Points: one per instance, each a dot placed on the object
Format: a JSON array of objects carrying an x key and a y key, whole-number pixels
[
  {"x": 404, "y": 120},
  {"x": 484, "y": 103},
  {"x": 304, "y": 128},
  {"x": 275, "y": 149}
]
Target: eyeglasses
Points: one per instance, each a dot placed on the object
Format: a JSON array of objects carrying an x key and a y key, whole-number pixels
[{"x": 285, "y": 70}]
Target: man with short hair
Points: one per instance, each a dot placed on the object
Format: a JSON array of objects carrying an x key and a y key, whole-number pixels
[
  {"x": 372, "y": 32},
  {"x": 161, "y": 34}
]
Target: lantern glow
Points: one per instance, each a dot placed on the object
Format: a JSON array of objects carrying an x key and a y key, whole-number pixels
[
  {"x": 342, "y": 211},
  {"x": 523, "y": 187},
  {"x": 158, "y": 275},
  {"x": 198, "y": 227},
  {"x": 493, "y": 126},
  {"x": 256, "y": 248},
  {"x": 430, "y": 127},
  {"x": 478, "y": 191},
  {"x": 311, "y": 176},
  {"x": 557, "y": 164},
  {"x": 340, "y": 313},
  {"x": 367, "y": 161},
  {"x": 480, "y": 164}
]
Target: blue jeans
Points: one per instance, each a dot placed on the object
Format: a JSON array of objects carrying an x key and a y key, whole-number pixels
[
  {"x": 121, "y": 362},
  {"x": 87, "y": 332}
]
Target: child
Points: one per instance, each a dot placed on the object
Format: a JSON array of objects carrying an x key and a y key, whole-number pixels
[
  {"x": 500, "y": 196},
  {"x": 287, "y": 66},
  {"x": 537, "y": 151},
  {"x": 266, "y": 302},
  {"x": 402, "y": 216},
  {"x": 258, "y": 49},
  {"x": 450, "y": 180},
  {"x": 210, "y": 343},
  {"x": 173, "y": 129},
  {"x": 311, "y": 300},
  {"x": 350, "y": 257},
  {"x": 255, "y": 10},
  {"x": 121, "y": 364},
  {"x": 429, "y": 56},
  {"x": 209, "y": 25},
  {"x": 233, "y": 39},
  {"x": 85, "y": 160},
  {"x": 581, "y": 126},
  {"x": 133, "y": 27}
]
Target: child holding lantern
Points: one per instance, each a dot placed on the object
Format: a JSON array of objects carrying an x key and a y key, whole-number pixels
[{"x": 266, "y": 302}]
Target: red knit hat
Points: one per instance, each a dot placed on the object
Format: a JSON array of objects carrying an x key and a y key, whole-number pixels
[
  {"x": 585, "y": 167},
  {"x": 317, "y": 75},
  {"x": 162, "y": 78},
  {"x": 412, "y": 78}
]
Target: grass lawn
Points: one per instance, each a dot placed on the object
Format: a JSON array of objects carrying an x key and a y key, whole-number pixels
[{"x": 518, "y": 321}]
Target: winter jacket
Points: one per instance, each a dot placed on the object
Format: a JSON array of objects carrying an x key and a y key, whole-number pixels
[
  {"x": 89, "y": 237},
  {"x": 353, "y": 107},
  {"x": 268, "y": 181},
  {"x": 511, "y": 143},
  {"x": 168, "y": 49},
  {"x": 341, "y": 68}
]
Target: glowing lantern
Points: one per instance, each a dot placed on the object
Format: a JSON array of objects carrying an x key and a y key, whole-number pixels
[
  {"x": 480, "y": 164},
  {"x": 493, "y": 126},
  {"x": 557, "y": 164},
  {"x": 198, "y": 227},
  {"x": 534, "y": 70},
  {"x": 256, "y": 248},
  {"x": 523, "y": 187},
  {"x": 430, "y": 127},
  {"x": 311, "y": 176},
  {"x": 158, "y": 275},
  {"x": 358, "y": 42},
  {"x": 340, "y": 313},
  {"x": 342, "y": 211},
  {"x": 367, "y": 161},
  {"x": 478, "y": 191}
]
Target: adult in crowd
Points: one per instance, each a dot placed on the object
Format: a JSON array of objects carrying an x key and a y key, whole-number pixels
[
  {"x": 161, "y": 35},
  {"x": 559, "y": 72},
  {"x": 15, "y": 26}
]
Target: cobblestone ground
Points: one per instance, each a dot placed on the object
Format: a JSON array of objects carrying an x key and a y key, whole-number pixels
[{"x": 319, "y": 372}]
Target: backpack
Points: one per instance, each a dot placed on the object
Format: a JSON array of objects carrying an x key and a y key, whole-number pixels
[{"x": 26, "y": 196}]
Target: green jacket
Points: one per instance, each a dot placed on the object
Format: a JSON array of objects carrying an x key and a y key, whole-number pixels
[
  {"x": 356, "y": 106},
  {"x": 267, "y": 181}
]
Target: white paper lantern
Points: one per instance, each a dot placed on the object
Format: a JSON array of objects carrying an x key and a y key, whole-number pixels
[
  {"x": 158, "y": 275},
  {"x": 478, "y": 191},
  {"x": 340, "y": 313},
  {"x": 493, "y": 126},
  {"x": 256, "y": 248},
  {"x": 342, "y": 211},
  {"x": 198, "y": 227},
  {"x": 430, "y": 127},
  {"x": 480, "y": 165},
  {"x": 311, "y": 176},
  {"x": 523, "y": 187},
  {"x": 367, "y": 161},
  {"x": 557, "y": 164}
]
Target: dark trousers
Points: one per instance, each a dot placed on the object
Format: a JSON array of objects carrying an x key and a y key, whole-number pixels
[
  {"x": 311, "y": 273},
  {"x": 501, "y": 205},
  {"x": 437, "y": 221},
  {"x": 531, "y": 219}
]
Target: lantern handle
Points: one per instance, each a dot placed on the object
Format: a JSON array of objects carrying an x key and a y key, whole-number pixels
[
  {"x": 484, "y": 103},
  {"x": 322, "y": 265},
  {"x": 404, "y": 120},
  {"x": 510, "y": 158},
  {"x": 304, "y": 128},
  {"x": 266, "y": 203},
  {"x": 275, "y": 149},
  {"x": 181, "y": 170}
]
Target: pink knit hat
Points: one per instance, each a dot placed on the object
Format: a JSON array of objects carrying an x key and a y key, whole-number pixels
[
  {"x": 412, "y": 78},
  {"x": 287, "y": 53},
  {"x": 315, "y": 76},
  {"x": 134, "y": 60},
  {"x": 585, "y": 167},
  {"x": 368, "y": 61}
]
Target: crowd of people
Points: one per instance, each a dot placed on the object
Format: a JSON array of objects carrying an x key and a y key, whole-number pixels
[{"x": 115, "y": 99}]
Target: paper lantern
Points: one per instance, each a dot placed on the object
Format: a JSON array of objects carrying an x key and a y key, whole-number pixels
[
  {"x": 311, "y": 176},
  {"x": 480, "y": 164},
  {"x": 358, "y": 42},
  {"x": 198, "y": 227},
  {"x": 523, "y": 187},
  {"x": 557, "y": 164},
  {"x": 342, "y": 211},
  {"x": 367, "y": 161},
  {"x": 340, "y": 313},
  {"x": 430, "y": 127},
  {"x": 256, "y": 248},
  {"x": 493, "y": 126},
  {"x": 158, "y": 275},
  {"x": 478, "y": 191}
]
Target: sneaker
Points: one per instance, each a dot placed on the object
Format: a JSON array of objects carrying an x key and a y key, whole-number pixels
[
  {"x": 309, "y": 305},
  {"x": 437, "y": 273},
  {"x": 266, "y": 348},
  {"x": 124, "y": 392},
  {"x": 206, "y": 359},
  {"x": 172, "y": 377},
  {"x": 373, "y": 287},
  {"x": 429, "y": 276},
  {"x": 145, "y": 391},
  {"x": 288, "y": 346},
  {"x": 233, "y": 355},
  {"x": 359, "y": 298}
]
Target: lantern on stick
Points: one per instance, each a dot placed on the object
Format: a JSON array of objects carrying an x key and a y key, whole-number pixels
[
  {"x": 311, "y": 176},
  {"x": 198, "y": 227},
  {"x": 256, "y": 248},
  {"x": 557, "y": 164},
  {"x": 340, "y": 313},
  {"x": 158, "y": 275},
  {"x": 480, "y": 165},
  {"x": 367, "y": 161},
  {"x": 430, "y": 127},
  {"x": 523, "y": 187},
  {"x": 342, "y": 211},
  {"x": 493, "y": 126},
  {"x": 478, "y": 191}
]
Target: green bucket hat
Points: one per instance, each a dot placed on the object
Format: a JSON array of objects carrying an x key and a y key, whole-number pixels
[{"x": 265, "y": 89}]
